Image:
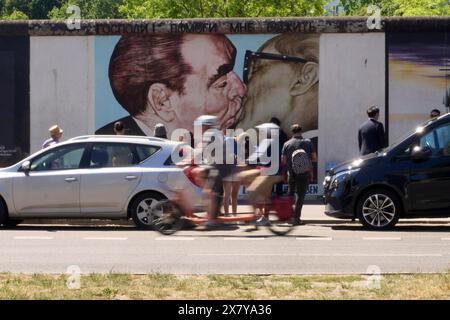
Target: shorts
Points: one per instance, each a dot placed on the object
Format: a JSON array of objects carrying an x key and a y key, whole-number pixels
[{"x": 234, "y": 177}]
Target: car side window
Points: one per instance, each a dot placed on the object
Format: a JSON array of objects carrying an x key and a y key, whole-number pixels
[
  {"x": 104, "y": 155},
  {"x": 404, "y": 154},
  {"x": 438, "y": 140},
  {"x": 63, "y": 158},
  {"x": 145, "y": 151}
]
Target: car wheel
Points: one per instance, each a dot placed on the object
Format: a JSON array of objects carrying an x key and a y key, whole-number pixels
[
  {"x": 144, "y": 209},
  {"x": 3, "y": 215},
  {"x": 13, "y": 223},
  {"x": 379, "y": 209}
]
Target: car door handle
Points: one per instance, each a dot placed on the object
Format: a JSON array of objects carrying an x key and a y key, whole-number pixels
[
  {"x": 71, "y": 179},
  {"x": 129, "y": 178}
]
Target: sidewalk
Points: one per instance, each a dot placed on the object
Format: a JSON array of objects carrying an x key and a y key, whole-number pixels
[{"x": 312, "y": 212}]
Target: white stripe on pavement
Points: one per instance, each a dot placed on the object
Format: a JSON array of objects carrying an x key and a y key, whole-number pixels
[
  {"x": 240, "y": 254},
  {"x": 239, "y": 239},
  {"x": 382, "y": 238},
  {"x": 105, "y": 238},
  {"x": 33, "y": 238},
  {"x": 314, "y": 238},
  {"x": 399, "y": 255},
  {"x": 445, "y": 239},
  {"x": 174, "y": 239}
]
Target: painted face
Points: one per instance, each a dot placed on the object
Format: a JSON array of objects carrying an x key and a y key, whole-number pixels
[
  {"x": 272, "y": 93},
  {"x": 213, "y": 87}
]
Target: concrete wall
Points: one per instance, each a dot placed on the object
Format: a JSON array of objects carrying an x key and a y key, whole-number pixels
[
  {"x": 62, "y": 87},
  {"x": 352, "y": 77},
  {"x": 69, "y": 85}
]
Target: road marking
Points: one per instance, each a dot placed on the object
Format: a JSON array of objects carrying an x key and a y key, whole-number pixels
[
  {"x": 314, "y": 255},
  {"x": 240, "y": 239},
  {"x": 314, "y": 238},
  {"x": 382, "y": 238},
  {"x": 445, "y": 239},
  {"x": 363, "y": 255},
  {"x": 33, "y": 238},
  {"x": 243, "y": 254},
  {"x": 174, "y": 239},
  {"x": 105, "y": 238}
]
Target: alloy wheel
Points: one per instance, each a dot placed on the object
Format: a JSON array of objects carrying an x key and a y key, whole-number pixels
[
  {"x": 147, "y": 210},
  {"x": 378, "y": 210}
]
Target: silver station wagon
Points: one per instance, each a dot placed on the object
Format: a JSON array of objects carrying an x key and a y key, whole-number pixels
[{"x": 101, "y": 177}]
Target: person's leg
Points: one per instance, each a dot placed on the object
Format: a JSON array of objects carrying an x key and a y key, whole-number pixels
[
  {"x": 301, "y": 184},
  {"x": 269, "y": 182},
  {"x": 279, "y": 189},
  {"x": 227, "y": 185},
  {"x": 215, "y": 194},
  {"x": 234, "y": 195},
  {"x": 291, "y": 183}
]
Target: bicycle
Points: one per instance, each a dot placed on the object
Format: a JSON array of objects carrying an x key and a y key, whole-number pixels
[{"x": 174, "y": 214}]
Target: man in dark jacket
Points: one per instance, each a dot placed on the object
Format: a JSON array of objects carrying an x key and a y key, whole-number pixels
[
  {"x": 371, "y": 135},
  {"x": 298, "y": 183}
]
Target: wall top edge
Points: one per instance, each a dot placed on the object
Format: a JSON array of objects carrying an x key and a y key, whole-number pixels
[{"x": 224, "y": 25}]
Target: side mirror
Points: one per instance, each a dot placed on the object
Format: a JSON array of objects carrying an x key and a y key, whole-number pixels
[
  {"x": 421, "y": 153},
  {"x": 26, "y": 166}
]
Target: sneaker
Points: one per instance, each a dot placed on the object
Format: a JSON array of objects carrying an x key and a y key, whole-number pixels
[
  {"x": 263, "y": 221},
  {"x": 298, "y": 223}
]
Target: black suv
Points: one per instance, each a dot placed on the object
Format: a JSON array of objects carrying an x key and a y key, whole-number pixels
[{"x": 409, "y": 179}]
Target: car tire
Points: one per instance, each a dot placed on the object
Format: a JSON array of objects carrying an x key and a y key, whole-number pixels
[
  {"x": 13, "y": 223},
  {"x": 141, "y": 209},
  {"x": 379, "y": 209},
  {"x": 4, "y": 218}
]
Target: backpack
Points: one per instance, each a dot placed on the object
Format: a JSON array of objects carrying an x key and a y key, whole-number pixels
[{"x": 301, "y": 163}]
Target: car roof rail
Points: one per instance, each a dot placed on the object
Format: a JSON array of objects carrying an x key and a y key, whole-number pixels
[{"x": 84, "y": 137}]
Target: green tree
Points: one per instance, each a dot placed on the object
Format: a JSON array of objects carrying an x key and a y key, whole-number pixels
[
  {"x": 141, "y": 9},
  {"x": 33, "y": 9},
  {"x": 89, "y": 9},
  {"x": 15, "y": 15},
  {"x": 398, "y": 7}
]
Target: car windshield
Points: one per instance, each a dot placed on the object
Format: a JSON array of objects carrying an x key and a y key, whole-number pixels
[{"x": 417, "y": 129}]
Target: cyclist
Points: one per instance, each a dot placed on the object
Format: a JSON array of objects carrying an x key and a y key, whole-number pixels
[
  {"x": 260, "y": 188},
  {"x": 214, "y": 166}
]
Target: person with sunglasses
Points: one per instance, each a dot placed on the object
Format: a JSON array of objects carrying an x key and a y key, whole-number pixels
[{"x": 282, "y": 79}]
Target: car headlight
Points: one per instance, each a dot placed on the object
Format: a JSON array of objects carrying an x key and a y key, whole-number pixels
[
  {"x": 341, "y": 176},
  {"x": 327, "y": 180}
]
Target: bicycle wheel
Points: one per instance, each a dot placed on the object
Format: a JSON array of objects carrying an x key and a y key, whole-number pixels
[
  {"x": 170, "y": 218},
  {"x": 278, "y": 225}
]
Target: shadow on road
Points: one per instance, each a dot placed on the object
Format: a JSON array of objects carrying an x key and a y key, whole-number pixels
[
  {"x": 56, "y": 228},
  {"x": 428, "y": 227}
]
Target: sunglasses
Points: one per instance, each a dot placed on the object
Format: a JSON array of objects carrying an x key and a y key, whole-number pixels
[{"x": 252, "y": 55}]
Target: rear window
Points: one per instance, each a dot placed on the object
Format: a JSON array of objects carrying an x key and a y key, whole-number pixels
[
  {"x": 169, "y": 162},
  {"x": 105, "y": 155},
  {"x": 145, "y": 151}
]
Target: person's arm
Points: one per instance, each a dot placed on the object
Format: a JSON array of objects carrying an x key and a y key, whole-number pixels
[
  {"x": 313, "y": 160},
  {"x": 381, "y": 136},
  {"x": 359, "y": 139},
  {"x": 283, "y": 160}
]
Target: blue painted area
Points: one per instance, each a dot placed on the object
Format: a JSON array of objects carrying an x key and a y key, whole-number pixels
[
  {"x": 244, "y": 42},
  {"x": 107, "y": 109}
]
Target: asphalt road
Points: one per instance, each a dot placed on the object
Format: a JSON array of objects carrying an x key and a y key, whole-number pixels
[{"x": 322, "y": 246}]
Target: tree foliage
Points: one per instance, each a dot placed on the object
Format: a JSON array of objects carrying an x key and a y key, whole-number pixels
[
  {"x": 220, "y": 8},
  {"x": 397, "y": 7},
  {"x": 32, "y": 9},
  {"x": 89, "y": 9},
  {"x": 151, "y": 9}
]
